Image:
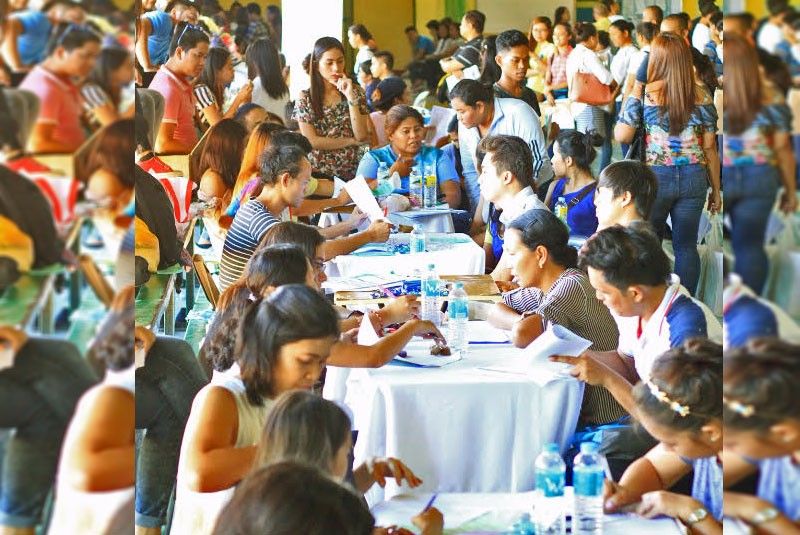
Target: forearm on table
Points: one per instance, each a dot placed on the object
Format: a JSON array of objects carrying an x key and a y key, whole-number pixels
[
  {"x": 345, "y": 244},
  {"x": 641, "y": 477},
  {"x": 336, "y": 230},
  {"x": 503, "y": 316}
]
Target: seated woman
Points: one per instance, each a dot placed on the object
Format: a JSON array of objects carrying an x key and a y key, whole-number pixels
[
  {"x": 388, "y": 93},
  {"x": 295, "y": 498},
  {"x": 680, "y": 404},
  {"x": 405, "y": 131},
  {"x": 95, "y": 477},
  {"x": 554, "y": 292},
  {"x": 71, "y": 54},
  {"x": 209, "y": 89},
  {"x": 282, "y": 343},
  {"x": 102, "y": 91},
  {"x": 219, "y": 165},
  {"x": 762, "y": 418},
  {"x": 573, "y": 154}
]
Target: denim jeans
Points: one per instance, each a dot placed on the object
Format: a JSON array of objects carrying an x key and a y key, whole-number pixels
[
  {"x": 750, "y": 192},
  {"x": 165, "y": 388},
  {"x": 37, "y": 398},
  {"x": 682, "y": 191}
]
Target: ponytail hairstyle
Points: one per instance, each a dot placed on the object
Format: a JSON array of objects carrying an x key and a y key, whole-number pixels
[
  {"x": 317, "y": 90},
  {"x": 303, "y": 427},
  {"x": 579, "y": 146},
  {"x": 291, "y": 313},
  {"x": 541, "y": 227},
  {"x": 760, "y": 385},
  {"x": 584, "y": 31},
  {"x": 684, "y": 390}
]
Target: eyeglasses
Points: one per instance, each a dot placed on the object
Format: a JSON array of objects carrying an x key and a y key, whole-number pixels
[
  {"x": 183, "y": 32},
  {"x": 318, "y": 264},
  {"x": 72, "y": 28}
]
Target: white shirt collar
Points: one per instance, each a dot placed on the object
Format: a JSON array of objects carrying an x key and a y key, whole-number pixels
[{"x": 524, "y": 200}]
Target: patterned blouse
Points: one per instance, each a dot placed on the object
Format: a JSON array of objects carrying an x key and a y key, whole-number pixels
[
  {"x": 664, "y": 149},
  {"x": 544, "y": 50},
  {"x": 755, "y": 146},
  {"x": 557, "y": 68},
  {"x": 335, "y": 122}
]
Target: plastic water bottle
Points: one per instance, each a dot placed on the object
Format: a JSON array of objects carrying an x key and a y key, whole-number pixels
[
  {"x": 415, "y": 193},
  {"x": 562, "y": 209},
  {"x": 416, "y": 240},
  {"x": 383, "y": 171},
  {"x": 551, "y": 474},
  {"x": 430, "y": 187},
  {"x": 524, "y": 526},
  {"x": 457, "y": 318},
  {"x": 588, "y": 478},
  {"x": 430, "y": 295}
]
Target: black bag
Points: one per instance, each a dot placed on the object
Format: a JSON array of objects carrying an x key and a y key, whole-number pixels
[
  {"x": 638, "y": 147},
  {"x": 155, "y": 210}
]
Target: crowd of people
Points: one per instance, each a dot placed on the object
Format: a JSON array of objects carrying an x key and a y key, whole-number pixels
[{"x": 589, "y": 160}]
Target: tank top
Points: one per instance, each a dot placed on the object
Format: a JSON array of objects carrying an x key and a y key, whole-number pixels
[
  {"x": 196, "y": 512},
  {"x": 78, "y": 511},
  {"x": 581, "y": 218}
]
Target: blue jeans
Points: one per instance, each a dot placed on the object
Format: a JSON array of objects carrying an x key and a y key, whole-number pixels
[
  {"x": 165, "y": 388},
  {"x": 37, "y": 398},
  {"x": 750, "y": 192},
  {"x": 682, "y": 191}
]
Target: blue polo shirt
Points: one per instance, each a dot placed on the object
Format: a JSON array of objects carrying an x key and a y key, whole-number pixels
[
  {"x": 424, "y": 43},
  {"x": 32, "y": 42},
  {"x": 160, "y": 36},
  {"x": 445, "y": 168}
]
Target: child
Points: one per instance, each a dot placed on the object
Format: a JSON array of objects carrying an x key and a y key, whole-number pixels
[
  {"x": 762, "y": 432},
  {"x": 292, "y": 498},
  {"x": 680, "y": 405},
  {"x": 282, "y": 344}
]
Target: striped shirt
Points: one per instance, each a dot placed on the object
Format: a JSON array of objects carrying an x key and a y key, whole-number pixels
[
  {"x": 571, "y": 303},
  {"x": 204, "y": 97},
  {"x": 94, "y": 97},
  {"x": 250, "y": 224}
]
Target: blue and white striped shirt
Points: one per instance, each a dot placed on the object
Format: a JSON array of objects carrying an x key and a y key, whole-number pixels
[{"x": 252, "y": 221}]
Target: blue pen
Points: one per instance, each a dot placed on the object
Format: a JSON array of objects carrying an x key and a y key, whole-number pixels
[{"x": 430, "y": 502}]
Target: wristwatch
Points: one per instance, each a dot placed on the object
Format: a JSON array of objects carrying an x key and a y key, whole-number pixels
[
  {"x": 764, "y": 515},
  {"x": 696, "y": 516}
]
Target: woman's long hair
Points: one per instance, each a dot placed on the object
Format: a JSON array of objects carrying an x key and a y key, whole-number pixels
[
  {"x": 109, "y": 60},
  {"x": 263, "y": 61},
  {"x": 317, "y": 89},
  {"x": 743, "y": 97},
  {"x": 217, "y": 57},
  {"x": 671, "y": 63}
]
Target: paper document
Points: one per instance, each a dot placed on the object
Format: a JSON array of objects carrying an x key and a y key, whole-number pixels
[
  {"x": 338, "y": 184},
  {"x": 361, "y": 282},
  {"x": 367, "y": 335},
  {"x": 402, "y": 508},
  {"x": 363, "y": 198},
  {"x": 482, "y": 332},
  {"x": 440, "y": 119},
  {"x": 556, "y": 340},
  {"x": 470, "y": 73}
]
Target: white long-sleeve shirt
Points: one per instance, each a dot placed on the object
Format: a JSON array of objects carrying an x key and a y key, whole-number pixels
[{"x": 582, "y": 59}]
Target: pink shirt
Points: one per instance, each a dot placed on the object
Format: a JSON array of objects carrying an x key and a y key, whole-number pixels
[
  {"x": 178, "y": 104},
  {"x": 60, "y": 104}
]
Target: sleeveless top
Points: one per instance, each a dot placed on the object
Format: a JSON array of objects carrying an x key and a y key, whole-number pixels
[
  {"x": 78, "y": 511},
  {"x": 581, "y": 218},
  {"x": 196, "y": 512}
]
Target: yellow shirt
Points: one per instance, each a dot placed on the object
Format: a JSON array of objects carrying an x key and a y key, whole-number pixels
[
  {"x": 543, "y": 51},
  {"x": 603, "y": 25}
]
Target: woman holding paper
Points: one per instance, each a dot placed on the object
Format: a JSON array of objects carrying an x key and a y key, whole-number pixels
[
  {"x": 553, "y": 292},
  {"x": 405, "y": 131}
]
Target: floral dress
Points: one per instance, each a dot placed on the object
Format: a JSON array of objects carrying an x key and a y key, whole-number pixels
[
  {"x": 663, "y": 148},
  {"x": 755, "y": 145},
  {"x": 335, "y": 122}
]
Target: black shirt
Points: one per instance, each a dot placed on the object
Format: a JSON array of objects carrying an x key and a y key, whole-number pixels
[
  {"x": 469, "y": 53},
  {"x": 528, "y": 97}
]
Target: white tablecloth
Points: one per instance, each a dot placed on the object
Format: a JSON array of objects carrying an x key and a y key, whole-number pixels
[
  {"x": 431, "y": 220},
  {"x": 453, "y": 254},
  {"x": 497, "y": 513},
  {"x": 461, "y": 428}
]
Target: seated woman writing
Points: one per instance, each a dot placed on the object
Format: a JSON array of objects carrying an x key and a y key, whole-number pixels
[{"x": 405, "y": 131}]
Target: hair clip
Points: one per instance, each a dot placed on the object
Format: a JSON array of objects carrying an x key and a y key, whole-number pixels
[
  {"x": 739, "y": 408},
  {"x": 662, "y": 396}
]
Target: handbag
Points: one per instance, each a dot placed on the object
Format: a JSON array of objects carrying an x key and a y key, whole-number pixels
[
  {"x": 638, "y": 147},
  {"x": 588, "y": 89}
]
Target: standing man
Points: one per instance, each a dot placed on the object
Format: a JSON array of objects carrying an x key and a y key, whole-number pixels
[
  {"x": 513, "y": 53},
  {"x": 469, "y": 53}
]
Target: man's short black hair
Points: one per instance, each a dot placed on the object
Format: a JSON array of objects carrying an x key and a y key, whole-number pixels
[
  {"x": 509, "y": 39},
  {"x": 658, "y": 11},
  {"x": 471, "y": 92},
  {"x": 476, "y": 19},
  {"x": 509, "y": 153},
  {"x": 634, "y": 177},
  {"x": 627, "y": 256},
  {"x": 410, "y": 29},
  {"x": 432, "y": 24},
  {"x": 279, "y": 159},
  {"x": 188, "y": 39},
  {"x": 254, "y": 9},
  {"x": 386, "y": 56}
]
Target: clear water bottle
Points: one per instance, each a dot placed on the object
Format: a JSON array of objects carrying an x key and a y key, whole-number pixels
[
  {"x": 588, "y": 475},
  {"x": 551, "y": 475},
  {"x": 430, "y": 295},
  {"x": 383, "y": 171},
  {"x": 457, "y": 318},
  {"x": 416, "y": 240},
  {"x": 524, "y": 526},
  {"x": 430, "y": 187},
  {"x": 562, "y": 209},
  {"x": 415, "y": 193}
]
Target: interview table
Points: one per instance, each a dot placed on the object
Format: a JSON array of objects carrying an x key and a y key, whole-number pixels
[
  {"x": 461, "y": 428},
  {"x": 452, "y": 254}
]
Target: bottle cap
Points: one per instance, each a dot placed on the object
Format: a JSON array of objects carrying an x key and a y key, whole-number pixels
[
  {"x": 589, "y": 447},
  {"x": 459, "y": 285},
  {"x": 431, "y": 266},
  {"x": 562, "y": 199},
  {"x": 551, "y": 447}
]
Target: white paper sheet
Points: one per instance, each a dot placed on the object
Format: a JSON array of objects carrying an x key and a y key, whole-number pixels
[
  {"x": 362, "y": 196},
  {"x": 556, "y": 340},
  {"x": 484, "y": 332},
  {"x": 470, "y": 73},
  {"x": 367, "y": 335},
  {"x": 360, "y": 282},
  {"x": 338, "y": 184},
  {"x": 402, "y": 508},
  {"x": 440, "y": 119}
]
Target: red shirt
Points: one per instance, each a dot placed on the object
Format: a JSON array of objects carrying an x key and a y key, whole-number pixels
[
  {"x": 60, "y": 104},
  {"x": 27, "y": 165},
  {"x": 178, "y": 105},
  {"x": 155, "y": 165}
]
